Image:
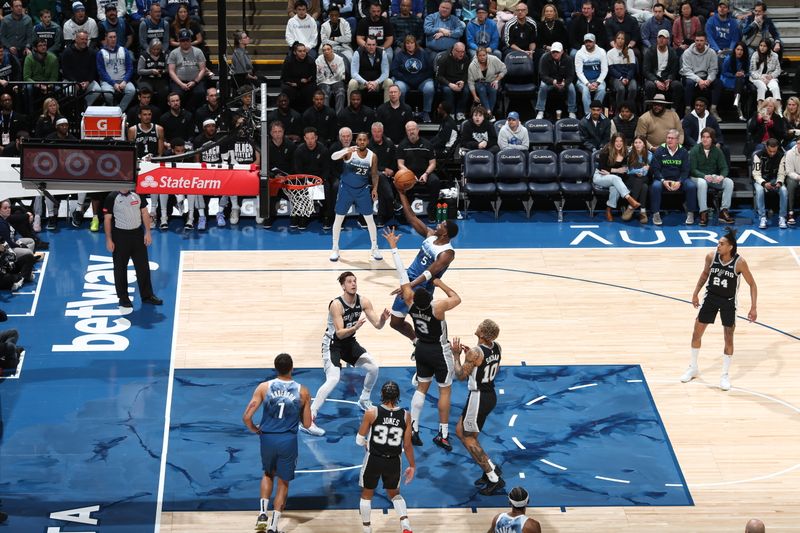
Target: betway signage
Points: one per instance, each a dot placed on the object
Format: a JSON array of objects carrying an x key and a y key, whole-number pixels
[{"x": 198, "y": 178}]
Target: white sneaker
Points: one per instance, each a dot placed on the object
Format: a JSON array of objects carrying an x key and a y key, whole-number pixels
[
  {"x": 725, "y": 382},
  {"x": 334, "y": 255},
  {"x": 782, "y": 222},
  {"x": 657, "y": 219},
  {"x": 262, "y": 523},
  {"x": 763, "y": 223},
  {"x": 376, "y": 254},
  {"x": 37, "y": 223},
  {"x": 259, "y": 220},
  {"x": 690, "y": 218},
  {"x": 365, "y": 404},
  {"x": 152, "y": 221},
  {"x": 314, "y": 430},
  {"x": 221, "y": 219},
  {"x": 540, "y": 115},
  {"x": 690, "y": 374},
  {"x": 17, "y": 284},
  {"x": 573, "y": 115},
  {"x": 235, "y": 216}
]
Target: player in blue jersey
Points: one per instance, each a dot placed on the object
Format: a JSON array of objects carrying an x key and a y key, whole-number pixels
[
  {"x": 285, "y": 404},
  {"x": 359, "y": 169},
  {"x": 515, "y": 521},
  {"x": 432, "y": 261}
]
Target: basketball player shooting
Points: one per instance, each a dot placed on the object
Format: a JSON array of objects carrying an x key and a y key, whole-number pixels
[
  {"x": 360, "y": 164},
  {"x": 432, "y": 261}
]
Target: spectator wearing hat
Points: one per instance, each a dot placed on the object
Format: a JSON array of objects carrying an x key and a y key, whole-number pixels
[
  {"x": 520, "y": 34},
  {"x": 39, "y": 68},
  {"x": 660, "y": 69},
  {"x": 50, "y": 31},
  {"x": 153, "y": 27},
  {"x": 101, "y": 13},
  {"x": 406, "y": 22},
  {"x": 482, "y": 33},
  {"x": 591, "y": 69},
  {"x": 443, "y": 30},
  {"x": 112, "y": 22},
  {"x": 700, "y": 71},
  {"x": 513, "y": 134},
  {"x": 80, "y": 21},
  {"x": 16, "y": 31},
  {"x": 115, "y": 70},
  {"x": 336, "y": 32},
  {"x": 557, "y": 76},
  {"x": 412, "y": 69},
  {"x": 588, "y": 22},
  {"x": 187, "y": 71},
  {"x": 722, "y": 29},
  {"x": 595, "y": 127},
  {"x": 657, "y": 121},
  {"x": 302, "y": 28},
  {"x": 653, "y": 27},
  {"x": 377, "y": 26},
  {"x": 483, "y": 79}
]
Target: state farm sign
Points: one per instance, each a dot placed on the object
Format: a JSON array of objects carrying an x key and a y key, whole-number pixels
[{"x": 242, "y": 181}]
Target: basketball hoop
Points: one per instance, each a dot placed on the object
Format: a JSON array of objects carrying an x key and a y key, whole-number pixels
[{"x": 297, "y": 189}]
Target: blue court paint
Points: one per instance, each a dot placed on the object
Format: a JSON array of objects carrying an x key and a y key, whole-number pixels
[
  {"x": 85, "y": 428},
  {"x": 611, "y": 430}
]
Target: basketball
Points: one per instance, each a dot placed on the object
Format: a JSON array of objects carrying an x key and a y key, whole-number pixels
[{"x": 404, "y": 179}]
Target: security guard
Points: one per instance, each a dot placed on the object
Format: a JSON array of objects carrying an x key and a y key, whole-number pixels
[{"x": 127, "y": 227}]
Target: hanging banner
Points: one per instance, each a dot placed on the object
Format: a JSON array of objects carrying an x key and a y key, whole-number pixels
[{"x": 197, "y": 178}]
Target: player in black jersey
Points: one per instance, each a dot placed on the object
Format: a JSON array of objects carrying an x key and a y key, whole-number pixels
[
  {"x": 481, "y": 365},
  {"x": 722, "y": 270},
  {"x": 433, "y": 357},
  {"x": 149, "y": 140},
  {"x": 346, "y": 314},
  {"x": 386, "y": 432}
]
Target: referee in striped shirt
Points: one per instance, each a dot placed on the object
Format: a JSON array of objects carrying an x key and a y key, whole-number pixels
[{"x": 127, "y": 227}]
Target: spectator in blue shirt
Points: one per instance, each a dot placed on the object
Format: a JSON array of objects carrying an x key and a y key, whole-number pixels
[
  {"x": 482, "y": 33},
  {"x": 655, "y": 24},
  {"x": 759, "y": 26},
  {"x": 722, "y": 29},
  {"x": 670, "y": 168},
  {"x": 442, "y": 29},
  {"x": 412, "y": 69}
]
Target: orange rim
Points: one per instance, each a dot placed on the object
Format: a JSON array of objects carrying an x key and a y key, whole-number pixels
[{"x": 295, "y": 182}]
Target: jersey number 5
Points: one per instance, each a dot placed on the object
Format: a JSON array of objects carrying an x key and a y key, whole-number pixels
[{"x": 392, "y": 436}]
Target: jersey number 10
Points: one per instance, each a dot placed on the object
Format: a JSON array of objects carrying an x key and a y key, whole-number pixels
[{"x": 490, "y": 372}]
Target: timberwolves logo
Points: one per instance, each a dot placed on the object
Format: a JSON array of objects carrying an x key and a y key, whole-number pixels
[{"x": 413, "y": 65}]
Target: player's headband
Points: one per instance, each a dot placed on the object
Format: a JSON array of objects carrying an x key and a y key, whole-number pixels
[{"x": 518, "y": 504}]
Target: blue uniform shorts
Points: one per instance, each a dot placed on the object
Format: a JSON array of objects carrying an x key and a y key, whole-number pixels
[
  {"x": 399, "y": 307},
  {"x": 353, "y": 195},
  {"x": 279, "y": 454}
]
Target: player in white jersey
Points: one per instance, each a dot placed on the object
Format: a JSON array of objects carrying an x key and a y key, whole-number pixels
[
  {"x": 515, "y": 521},
  {"x": 346, "y": 314},
  {"x": 360, "y": 169}
]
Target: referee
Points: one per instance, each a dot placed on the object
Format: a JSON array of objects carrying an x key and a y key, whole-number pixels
[{"x": 127, "y": 228}]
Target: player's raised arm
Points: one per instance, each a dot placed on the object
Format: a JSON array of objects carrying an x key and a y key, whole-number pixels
[
  {"x": 255, "y": 402},
  {"x": 344, "y": 153},
  {"x": 744, "y": 270},
  {"x": 378, "y": 321},
  {"x": 412, "y": 219},
  {"x": 702, "y": 281},
  {"x": 442, "y": 306},
  {"x": 393, "y": 238}
]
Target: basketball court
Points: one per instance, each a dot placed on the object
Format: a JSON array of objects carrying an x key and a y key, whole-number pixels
[{"x": 133, "y": 424}]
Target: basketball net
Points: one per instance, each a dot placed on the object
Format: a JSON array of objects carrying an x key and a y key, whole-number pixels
[{"x": 297, "y": 189}]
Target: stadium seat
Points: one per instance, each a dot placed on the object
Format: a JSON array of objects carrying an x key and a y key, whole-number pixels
[
  {"x": 520, "y": 76},
  {"x": 511, "y": 172},
  {"x": 541, "y": 134},
  {"x": 543, "y": 177},
  {"x": 497, "y": 125},
  {"x": 568, "y": 134},
  {"x": 479, "y": 177},
  {"x": 575, "y": 176},
  {"x": 599, "y": 192}
]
